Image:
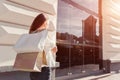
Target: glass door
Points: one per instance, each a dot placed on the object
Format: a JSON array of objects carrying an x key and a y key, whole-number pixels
[{"x": 77, "y": 37}]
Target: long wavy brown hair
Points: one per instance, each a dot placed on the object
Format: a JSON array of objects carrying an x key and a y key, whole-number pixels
[{"x": 37, "y": 22}]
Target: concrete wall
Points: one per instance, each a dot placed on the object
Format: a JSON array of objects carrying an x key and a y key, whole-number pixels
[
  {"x": 111, "y": 30},
  {"x": 16, "y": 17},
  {"x": 14, "y": 76}
]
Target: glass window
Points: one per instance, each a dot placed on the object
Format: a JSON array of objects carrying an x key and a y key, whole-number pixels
[{"x": 77, "y": 36}]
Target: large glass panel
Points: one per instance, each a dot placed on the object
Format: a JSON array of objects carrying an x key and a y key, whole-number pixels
[{"x": 77, "y": 37}]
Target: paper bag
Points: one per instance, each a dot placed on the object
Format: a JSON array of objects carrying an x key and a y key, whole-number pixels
[
  {"x": 31, "y": 61},
  {"x": 31, "y": 42}
]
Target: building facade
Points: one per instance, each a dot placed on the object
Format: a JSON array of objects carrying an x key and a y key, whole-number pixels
[{"x": 16, "y": 16}]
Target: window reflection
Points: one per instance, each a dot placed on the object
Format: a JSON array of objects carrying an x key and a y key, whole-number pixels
[{"x": 77, "y": 34}]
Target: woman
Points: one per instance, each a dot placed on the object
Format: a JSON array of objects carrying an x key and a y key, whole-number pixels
[{"x": 39, "y": 24}]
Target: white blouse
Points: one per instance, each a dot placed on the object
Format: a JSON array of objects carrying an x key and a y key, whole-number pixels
[{"x": 49, "y": 44}]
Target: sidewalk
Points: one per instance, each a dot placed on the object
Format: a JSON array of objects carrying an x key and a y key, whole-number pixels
[
  {"x": 92, "y": 73},
  {"x": 109, "y": 76},
  {"x": 77, "y": 72}
]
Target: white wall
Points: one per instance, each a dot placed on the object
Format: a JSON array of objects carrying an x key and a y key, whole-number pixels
[
  {"x": 15, "y": 18},
  {"x": 111, "y": 29}
]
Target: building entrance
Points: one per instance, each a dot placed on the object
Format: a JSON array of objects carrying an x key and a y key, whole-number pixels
[{"x": 78, "y": 37}]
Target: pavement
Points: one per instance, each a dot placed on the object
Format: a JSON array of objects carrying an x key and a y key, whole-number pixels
[
  {"x": 109, "y": 76},
  {"x": 77, "y": 72},
  {"x": 91, "y": 73}
]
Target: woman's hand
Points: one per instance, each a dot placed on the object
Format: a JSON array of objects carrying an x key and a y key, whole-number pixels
[{"x": 54, "y": 50}]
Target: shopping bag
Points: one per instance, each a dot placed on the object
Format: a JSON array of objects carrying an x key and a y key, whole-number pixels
[
  {"x": 31, "y": 62},
  {"x": 31, "y": 42}
]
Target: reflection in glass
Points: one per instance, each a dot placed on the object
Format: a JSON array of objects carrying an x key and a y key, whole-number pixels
[{"x": 77, "y": 35}]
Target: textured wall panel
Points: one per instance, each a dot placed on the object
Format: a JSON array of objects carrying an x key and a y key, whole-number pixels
[{"x": 111, "y": 29}]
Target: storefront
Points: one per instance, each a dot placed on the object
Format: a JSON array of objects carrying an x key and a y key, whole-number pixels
[{"x": 79, "y": 36}]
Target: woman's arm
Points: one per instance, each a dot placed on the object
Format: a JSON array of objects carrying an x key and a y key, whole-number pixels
[{"x": 54, "y": 49}]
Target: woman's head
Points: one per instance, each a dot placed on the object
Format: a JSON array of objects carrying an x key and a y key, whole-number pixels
[{"x": 39, "y": 21}]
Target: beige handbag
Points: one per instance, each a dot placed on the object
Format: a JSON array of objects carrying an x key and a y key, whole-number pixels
[{"x": 31, "y": 61}]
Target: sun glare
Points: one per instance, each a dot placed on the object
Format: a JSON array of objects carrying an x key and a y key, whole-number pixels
[{"x": 116, "y": 5}]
